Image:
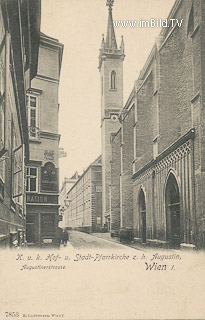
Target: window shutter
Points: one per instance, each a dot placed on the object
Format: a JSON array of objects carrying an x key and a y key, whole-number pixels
[{"x": 18, "y": 173}]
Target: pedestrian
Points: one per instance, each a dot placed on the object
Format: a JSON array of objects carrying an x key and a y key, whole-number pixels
[
  {"x": 65, "y": 237},
  {"x": 59, "y": 233}
]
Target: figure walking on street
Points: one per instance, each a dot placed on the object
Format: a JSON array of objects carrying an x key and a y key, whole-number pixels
[{"x": 65, "y": 237}]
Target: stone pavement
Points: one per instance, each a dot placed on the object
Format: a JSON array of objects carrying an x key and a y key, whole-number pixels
[
  {"x": 107, "y": 236},
  {"x": 133, "y": 244}
]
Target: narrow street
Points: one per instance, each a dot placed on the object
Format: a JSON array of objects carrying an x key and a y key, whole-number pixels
[{"x": 80, "y": 240}]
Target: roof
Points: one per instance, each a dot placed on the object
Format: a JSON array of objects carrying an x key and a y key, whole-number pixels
[{"x": 110, "y": 38}]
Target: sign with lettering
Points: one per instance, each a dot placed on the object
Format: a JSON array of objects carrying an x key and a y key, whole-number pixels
[
  {"x": 47, "y": 240},
  {"x": 49, "y": 178},
  {"x": 41, "y": 198}
]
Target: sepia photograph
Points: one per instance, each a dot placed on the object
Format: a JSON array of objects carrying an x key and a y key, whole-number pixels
[{"x": 102, "y": 159}]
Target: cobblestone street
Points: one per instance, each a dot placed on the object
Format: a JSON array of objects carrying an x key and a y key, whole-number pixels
[{"x": 80, "y": 240}]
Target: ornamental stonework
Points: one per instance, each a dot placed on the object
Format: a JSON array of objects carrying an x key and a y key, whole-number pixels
[
  {"x": 175, "y": 156},
  {"x": 167, "y": 162},
  {"x": 49, "y": 155}
]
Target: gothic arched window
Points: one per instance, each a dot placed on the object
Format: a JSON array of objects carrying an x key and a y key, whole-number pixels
[
  {"x": 113, "y": 80},
  {"x": 173, "y": 212},
  {"x": 142, "y": 209}
]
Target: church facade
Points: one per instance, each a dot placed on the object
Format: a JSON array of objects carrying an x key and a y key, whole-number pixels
[{"x": 157, "y": 152}]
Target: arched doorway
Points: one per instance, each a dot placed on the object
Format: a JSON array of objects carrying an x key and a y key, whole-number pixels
[
  {"x": 173, "y": 212},
  {"x": 142, "y": 207}
]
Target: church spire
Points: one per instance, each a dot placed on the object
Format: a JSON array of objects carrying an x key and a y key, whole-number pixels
[
  {"x": 109, "y": 46},
  {"x": 110, "y": 38}
]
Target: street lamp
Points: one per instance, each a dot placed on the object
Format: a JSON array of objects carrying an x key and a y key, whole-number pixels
[{"x": 67, "y": 202}]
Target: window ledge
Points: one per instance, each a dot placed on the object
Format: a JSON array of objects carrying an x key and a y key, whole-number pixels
[
  {"x": 32, "y": 192},
  {"x": 34, "y": 140}
]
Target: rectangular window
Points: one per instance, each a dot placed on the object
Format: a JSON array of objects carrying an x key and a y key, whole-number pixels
[
  {"x": 32, "y": 108},
  {"x": 31, "y": 179},
  {"x": 98, "y": 188},
  {"x": 97, "y": 175},
  {"x": 155, "y": 148},
  {"x": 17, "y": 168}
]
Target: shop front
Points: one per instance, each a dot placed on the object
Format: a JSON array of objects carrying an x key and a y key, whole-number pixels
[{"x": 42, "y": 220}]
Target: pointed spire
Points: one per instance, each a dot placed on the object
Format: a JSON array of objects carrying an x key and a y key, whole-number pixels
[
  {"x": 110, "y": 38},
  {"x": 109, "y": 47}
]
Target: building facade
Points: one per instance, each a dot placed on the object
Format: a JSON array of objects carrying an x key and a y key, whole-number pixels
[
  {"x": 66, "y": 186},
  {"x": 19, "y": 45},
  {"x": 157, "y": 166},
  {"x": 111, "y": 77},
  {"x": 42, "y": 187},
  {"x": 84, "y": 201}
]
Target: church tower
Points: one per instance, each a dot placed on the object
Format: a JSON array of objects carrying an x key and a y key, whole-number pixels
[{"x": 111, "y": 74}]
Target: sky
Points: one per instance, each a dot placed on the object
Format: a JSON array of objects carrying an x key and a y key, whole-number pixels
[{"x": 79, "y": 25}]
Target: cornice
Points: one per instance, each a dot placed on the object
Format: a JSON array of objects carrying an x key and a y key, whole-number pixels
[{"x": 49, "y": 135}]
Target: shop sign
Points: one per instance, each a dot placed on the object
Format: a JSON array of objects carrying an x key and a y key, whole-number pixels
[
  {"x": 47, "y": 240},
  {"x": 49, "y": 178},
  {"x": 38, "y": 198}
]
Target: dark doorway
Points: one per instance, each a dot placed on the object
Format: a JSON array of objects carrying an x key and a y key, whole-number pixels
[
  {"x": 173, "y": 212},
  {"x": 142, "y": 206},
  {"x": 30, "y": 228}
]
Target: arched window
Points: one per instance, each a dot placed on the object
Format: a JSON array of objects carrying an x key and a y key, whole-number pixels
[
  {"x": 113, "y": 80},
  {"x": 142, "y": 208},
  {"x": 173, "y": 212}
]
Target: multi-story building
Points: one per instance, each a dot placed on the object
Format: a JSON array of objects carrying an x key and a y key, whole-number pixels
[
  {"x": 83, "y": 202},
  {"x": 42, "y": 170},
  {"x": 111, "y": 77},
  {"x": 158, "y": 153},
  {"x": 19, "y": 44},
  {"x": 66, "y": 186}
]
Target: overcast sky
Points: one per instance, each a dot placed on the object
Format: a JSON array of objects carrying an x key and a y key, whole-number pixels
[{"x": 79, "y": 25}]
